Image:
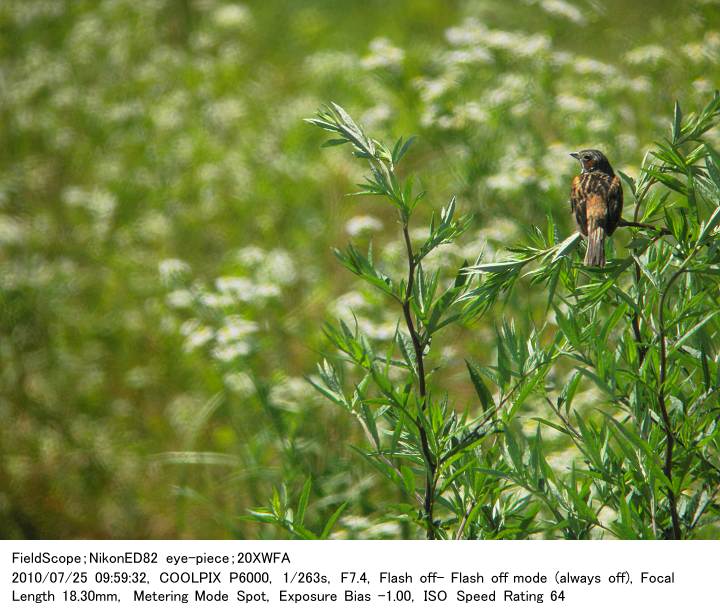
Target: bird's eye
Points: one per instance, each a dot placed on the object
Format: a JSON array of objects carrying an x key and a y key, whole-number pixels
[{"x": 586, "y": 157}]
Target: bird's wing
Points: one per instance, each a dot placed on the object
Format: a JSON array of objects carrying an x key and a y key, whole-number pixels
[
  {"x": 575, "y": 193},
  {"x": 577, "y": 204},
  {"x": 614, "y": 204}
]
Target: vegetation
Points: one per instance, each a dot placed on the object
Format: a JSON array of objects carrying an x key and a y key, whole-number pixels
[{"x": 165, "y": 219}]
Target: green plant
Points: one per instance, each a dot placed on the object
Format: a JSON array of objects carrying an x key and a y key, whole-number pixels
[
  {"x": 640, "y": 335},
  {"x": 418, "y": 439},
  {"x": 644, "y": 332}
]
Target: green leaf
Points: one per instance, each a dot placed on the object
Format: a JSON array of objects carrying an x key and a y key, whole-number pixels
[
  {"x": 332, "y": 521},
  {"x": 302, "y": 503},
  {"x": 693, "y": 330},
  {"x": 568, "y": 392},
  {"x": 408, "y": 479},
  {"x": 668, "y": 180},
  {"x": 401, "y": 148},
  {"x": 481, "y": 389},
  {"x": 462, "y": 275},
  {"x": 333, "y": 142},
  {"x": 709, "y": 225},
  {"x": 566, "y": 246},
  {"x": 629, "y": 181},
  {"x": 553, "y": 425},
  {"x": 440, "y": 307},
  {"x": 677, "y": 119},
  {"x": 500, "y": 266},
  {"x": 617, "y": 314}
]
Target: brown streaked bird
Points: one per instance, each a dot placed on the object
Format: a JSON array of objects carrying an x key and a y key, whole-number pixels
[{"x": 596, "y": 199}]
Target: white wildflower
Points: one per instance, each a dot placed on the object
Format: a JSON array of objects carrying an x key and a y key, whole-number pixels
[
  {"x": 359, "y": 225},
  {"x": 627, "y": 142},
  {"x": 563, "y": 9},
  {"x": 172, "y": 270},
  {"x": 376, "y": 115},
  {"x": 517, "y": 171},
  {"x": 239, "y": 383},
  {"x": 599, "y": 124},
  {"x": 12, "y": 231},
  {"x": 502, "y": 182},
  {"x": 232, "y": 16},
  {"x": 432, "y": 89},
  {"x": 250, "y": 256},
  {"x": 471, "y": 55},
  {"x": 589, "y": 66},
  {"x": 512, "y": 88},
  {"x": 378, "y": 331},
  {"x": 469, "y": 33},
  {"x": 574, "y": 104},
  {"x": 383, "y": 54},
  {"x": 707, "y": 49},
  {"x": 499, "y": 230},
  {"x": 640, "y": 84},
  {"x": 196, "y": 334},
  {"x": 518, "y": 44},
  {"x": 239, "y": 287},
  {"x": 562, "y": 58},
  {"x": 216, "y": 300},
  {"x": 180, "y": 298},
  {"x": 347, "y": 306},
  {"x": 266, "y": 291},
  {"x": 235, "y": 328},
  {"x": 102, "y": 203},
  {"x": 278, "y": 267},
  {"x": 226, "y": 112},
  {"x": 229, "y": 352},
  {"x": 470, "y": 113},
  {"x": 169, "y": 114},
  {"x": 703, "y": 85},
  {"x": 648, "y": 55},
  {"x": 383, "y": 530}
]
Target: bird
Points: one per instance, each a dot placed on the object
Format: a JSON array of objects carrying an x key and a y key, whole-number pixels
[{"x": 596, "y": 200}]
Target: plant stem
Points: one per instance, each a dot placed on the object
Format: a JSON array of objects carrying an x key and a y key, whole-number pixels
[
  {"x": 667, "y": 425},
  {"x": 643, "y": 225},
  {"x": 635, "y": 320},
  {"x": 418, "y": 347}
]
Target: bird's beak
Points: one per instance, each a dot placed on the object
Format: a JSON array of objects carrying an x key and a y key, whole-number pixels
[{"x": 575, "y": 155}]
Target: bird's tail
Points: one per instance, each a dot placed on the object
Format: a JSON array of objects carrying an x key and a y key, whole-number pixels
[{"x": 595, "y": 254}]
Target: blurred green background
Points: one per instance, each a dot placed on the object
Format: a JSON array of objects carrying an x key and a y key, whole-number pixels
[{"x": 166, "y": 220}]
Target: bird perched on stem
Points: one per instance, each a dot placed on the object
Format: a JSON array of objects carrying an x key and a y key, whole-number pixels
[{"x": 596, "y": 199}]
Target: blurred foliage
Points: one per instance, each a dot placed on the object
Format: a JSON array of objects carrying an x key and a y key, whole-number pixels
[{"x": 165, "y": 218}]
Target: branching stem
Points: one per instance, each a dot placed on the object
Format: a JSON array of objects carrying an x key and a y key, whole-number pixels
[
  {"x": 419, "y": 348},
  {"x": 642, "y": 225},
  {"x": 667, "y": 424}
]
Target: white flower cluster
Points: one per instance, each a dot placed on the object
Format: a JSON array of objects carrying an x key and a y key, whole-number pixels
[
  {"x": 560, "y": 8},
  {"x": 383, "y": 54},
  {"x": 232, "y": 16},
  {"x": 221, "y": 320},
  {"x": 706, "y": 50},
  {"x": 472, "y": 33},
  {"x": 361, "y": 225}
]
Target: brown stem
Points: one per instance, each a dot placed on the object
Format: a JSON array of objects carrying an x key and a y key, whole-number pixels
[
  {"x": 643, "y": 225},
  {"x": 642, "y": 350},
  {"x": 431, "y": 466},
  {"x": 568, "y": 426},
  {"x": 463, "y": 522}
]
